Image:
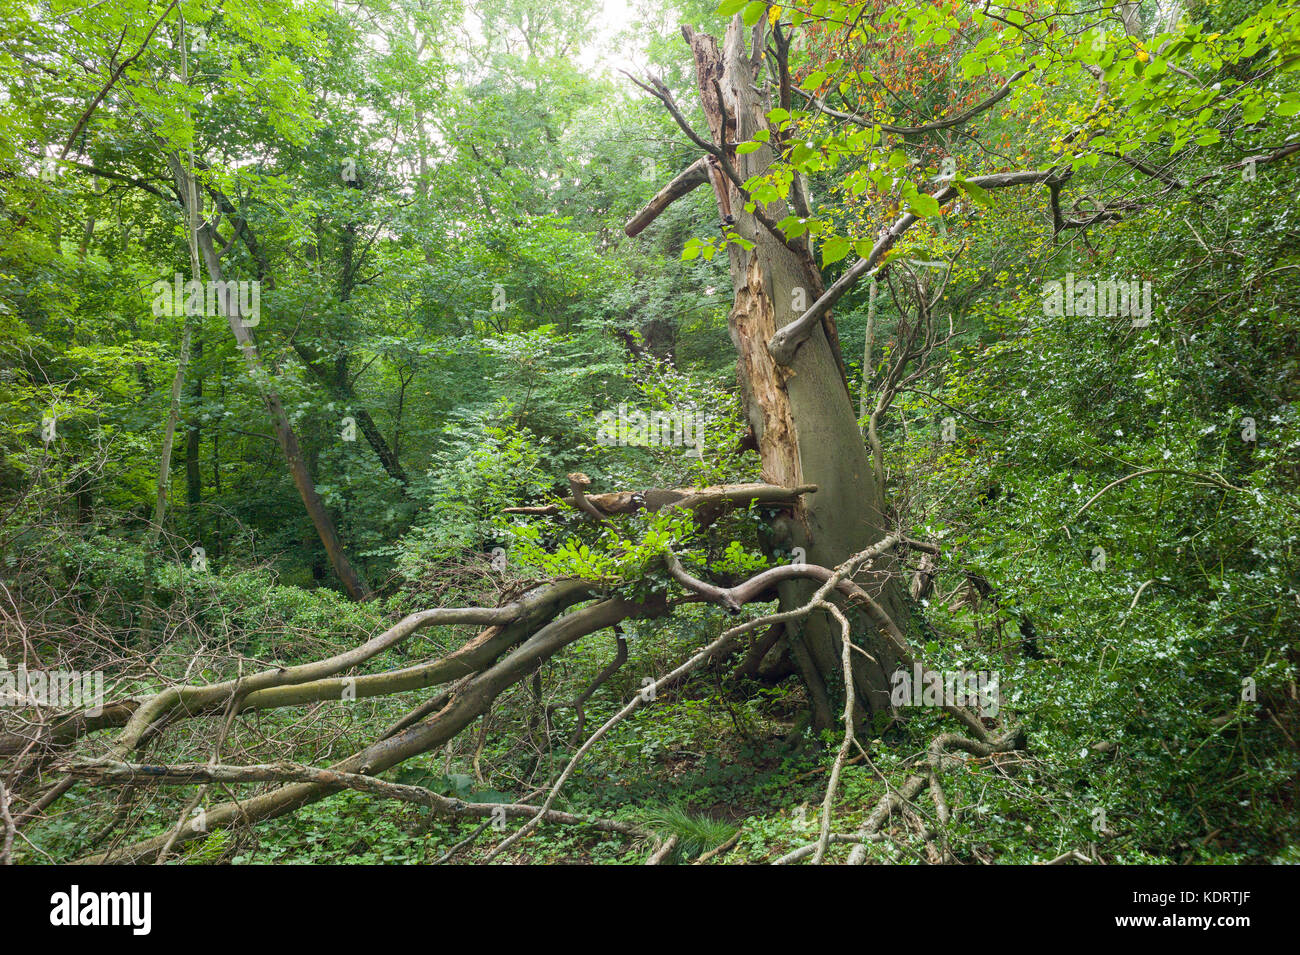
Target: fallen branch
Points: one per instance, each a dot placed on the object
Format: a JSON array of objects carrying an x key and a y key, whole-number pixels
[
  {"x": 664, "y": 851},
  {"x": 686, "y": 498},
  {"x": 108, "y": 772},
  {"x": 296, "y": 686},
  {"x": 471, "y": 701},
  {"x": 724, "y": 642}
]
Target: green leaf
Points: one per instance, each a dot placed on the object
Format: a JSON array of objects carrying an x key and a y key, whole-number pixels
[
  {"x": 834, "y": 249},
  {"x": 977, "y": 193},
  {"x": 754, "y": 12},
  {"x": 924, "y": 205},
  {"x": 792, "y": 226}
]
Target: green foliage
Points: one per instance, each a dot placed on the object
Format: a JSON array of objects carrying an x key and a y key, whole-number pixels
[
  {"x": 450, "y": 309},
  {"x": 696, "y": 833}
]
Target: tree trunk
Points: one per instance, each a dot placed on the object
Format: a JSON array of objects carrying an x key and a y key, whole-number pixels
[
  {"x": 193, "y": 444},
  {"x": 802, "y": 416},
  {"x": 341, "y": 388},
  {"x": 185, "y": 186},
  {"x": 302, "y": 479},
  {"x": 169, "y": 435}
]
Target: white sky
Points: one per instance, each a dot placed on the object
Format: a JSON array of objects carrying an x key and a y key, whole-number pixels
[{"x": 604, "y": 52}]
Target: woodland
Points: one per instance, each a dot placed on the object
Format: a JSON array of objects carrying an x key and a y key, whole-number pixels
[{"x": 649, "y": 432}]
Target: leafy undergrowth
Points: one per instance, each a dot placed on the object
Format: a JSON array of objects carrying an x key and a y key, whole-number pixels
[{"x": 689, "y": 768}]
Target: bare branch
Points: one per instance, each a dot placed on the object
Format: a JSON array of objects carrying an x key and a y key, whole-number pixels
[
  {"x": 107, "y": 772},
  {"x": 787, "y": 340},
  {"x": 685, "y": 182},
  {"x": 946, "y": 123}
]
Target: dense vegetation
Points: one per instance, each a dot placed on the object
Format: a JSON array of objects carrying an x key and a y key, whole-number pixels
[{"x": 1095, "y": 498}]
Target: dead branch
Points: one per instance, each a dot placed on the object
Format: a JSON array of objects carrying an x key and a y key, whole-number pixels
[
  {"x": 295, "y": 686},
  {"x": 659, "y": 91},
  {"x": 473, "y": 699},
  {"x": 720, "y": 850},
  {"x": 694, "y": 175},
  {"x": 915, "y": 785},
  {"x": 725, "y": 643},
  {"x": 664, "y": 850},
  {"x": 946, "y": 123},
  {"x": 579, "y": 702},
  {"x": 108, "y": 772},
  {"x": 703, "y": 501},
  {"x": 787, "y": 340}
]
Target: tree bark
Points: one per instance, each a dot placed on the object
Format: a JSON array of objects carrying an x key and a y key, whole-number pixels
[
  {"x": 801, "y": 416},
  {"x": 352, "y": 581}
]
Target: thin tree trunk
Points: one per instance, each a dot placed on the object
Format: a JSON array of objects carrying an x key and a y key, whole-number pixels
[
  {"x": 201, "y": 245},
  {"x": 337, "y": 382},
  {"x": 302, "y": 479},
  {"x": 193, "y": 444},
  {"x": 868, "y": 346},
  {"x": 169, "y": 436},
  {"x": 184, "y": 178}
]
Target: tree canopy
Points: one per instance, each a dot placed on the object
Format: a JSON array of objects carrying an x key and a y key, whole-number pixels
[{"x": 479, "y": 430}]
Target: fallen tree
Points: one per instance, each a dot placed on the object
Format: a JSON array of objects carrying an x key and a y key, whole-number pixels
[{"x": 517, "y": 637}]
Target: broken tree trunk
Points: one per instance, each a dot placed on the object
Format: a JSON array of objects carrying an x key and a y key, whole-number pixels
[
  {"x": 706, "y": 503},
  {"x": 801, "y": 414}
]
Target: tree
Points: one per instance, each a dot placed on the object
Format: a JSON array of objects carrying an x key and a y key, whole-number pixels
[
  {"x": 876, "y": 128},
  {"x": 800, "y": 416}
]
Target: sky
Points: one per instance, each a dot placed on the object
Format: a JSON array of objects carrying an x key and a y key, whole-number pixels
[{"x": 606, "y": 53}]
